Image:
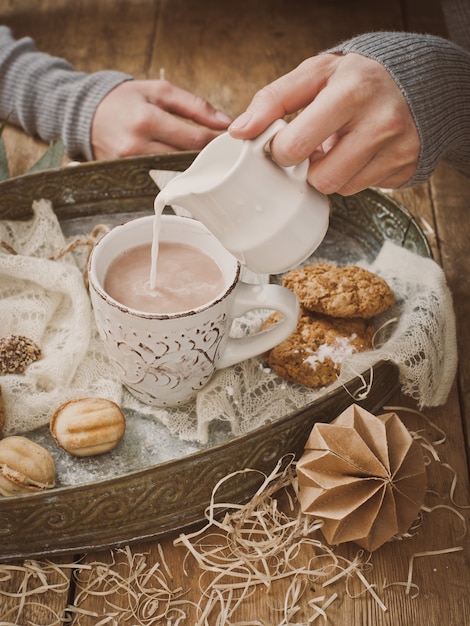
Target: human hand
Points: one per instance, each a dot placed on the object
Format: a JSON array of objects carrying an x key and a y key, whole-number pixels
[
  {"x": 149, "y": 116},
  {"x": 355, "y": 125}
]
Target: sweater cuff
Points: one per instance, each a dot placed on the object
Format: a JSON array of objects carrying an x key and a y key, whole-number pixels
[
  {"x": 82, "y": 101},
  {"x": 47, "y": 97},
  {"x": 434, "y": 76}
]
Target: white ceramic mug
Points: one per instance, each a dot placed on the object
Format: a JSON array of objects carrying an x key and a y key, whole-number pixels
[
  {"x": 165, "y": 359},
  {"x": 269, "y": 217}
]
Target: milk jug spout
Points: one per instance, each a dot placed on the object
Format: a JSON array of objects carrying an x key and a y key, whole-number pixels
[{"x": 266, "y": 215}]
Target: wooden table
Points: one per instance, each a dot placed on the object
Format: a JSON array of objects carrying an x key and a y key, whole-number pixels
[{"x": 225, "y": 52}]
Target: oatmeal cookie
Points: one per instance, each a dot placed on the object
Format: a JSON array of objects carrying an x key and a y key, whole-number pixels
[
  {"x": 312, "y": 355},
  {"x": 349, "y": 291}
]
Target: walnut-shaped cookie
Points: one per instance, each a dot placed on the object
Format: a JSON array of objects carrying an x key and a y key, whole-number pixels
[
  {"x": 25, "y": 467},
  {"x": 88, "y": 426}
]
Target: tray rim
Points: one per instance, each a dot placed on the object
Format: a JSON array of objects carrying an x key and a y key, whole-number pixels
[
  {"x": 177, "y": 162},
  {"x": 385, "y": 383}
]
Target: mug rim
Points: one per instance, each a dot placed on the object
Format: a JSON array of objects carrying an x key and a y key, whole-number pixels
[{"x": 96, "y": 285}]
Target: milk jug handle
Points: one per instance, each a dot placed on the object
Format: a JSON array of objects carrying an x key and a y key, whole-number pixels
[
  {"x": 299, "y": 171},
  {"x": 260, "y": 142}
]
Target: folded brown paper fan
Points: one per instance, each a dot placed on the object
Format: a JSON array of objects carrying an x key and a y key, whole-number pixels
[{"x": 363, "y": 476}]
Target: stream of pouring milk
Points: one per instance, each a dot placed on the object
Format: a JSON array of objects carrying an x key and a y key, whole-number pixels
[
  {"x": 179, "y": 187},
  {"x": 160, "y": 203}
]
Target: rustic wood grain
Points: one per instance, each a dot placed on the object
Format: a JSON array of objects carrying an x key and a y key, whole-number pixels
[
  {"x": 226, "y": 55},
  {"x": 451, "y": 193},
  {"x": 225, "y": 52}
]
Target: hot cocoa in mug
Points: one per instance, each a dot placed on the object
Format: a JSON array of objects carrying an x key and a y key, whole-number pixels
[
  {"x": 167, "y": 343},
  {"x": 186, "y": 278}
]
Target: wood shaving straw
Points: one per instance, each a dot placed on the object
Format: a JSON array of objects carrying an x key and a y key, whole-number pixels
[
  {"x": 429, "y": 422},
  {"x": 428, "y": 229},
  {"x": 144, "y": 593},
  {"x": 363, "y": 391},
  {"x": 86, "y": 240},
  {"x": 431, "y": 448},
  {"x": 453, "y": 487},
  {"x": 376, "y": 343},
  {"x": 257, "y": 547},
  {"x": 427, "y": 553},
  {"x": 253, "y": 547},
  {"x": 35, "y": 582}
]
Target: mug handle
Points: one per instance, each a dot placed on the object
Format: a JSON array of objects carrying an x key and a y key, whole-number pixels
[
  {"x": 248, "y": 297},
  {"x": 299, "y": 171}
]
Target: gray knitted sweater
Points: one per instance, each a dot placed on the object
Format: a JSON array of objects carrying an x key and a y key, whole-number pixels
[
  {"x": 46, "y": 97},
  {"x": 434, "y": 75}
]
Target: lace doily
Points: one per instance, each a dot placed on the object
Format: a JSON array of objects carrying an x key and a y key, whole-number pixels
[
  {"x": 48, "y": 302},
  {"x": 423, "y": 341}
]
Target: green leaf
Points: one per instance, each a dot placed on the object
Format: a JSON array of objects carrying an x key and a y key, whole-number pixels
[
  {"x": 4, "y": 169},
  {"x": 50, "y": 159}
]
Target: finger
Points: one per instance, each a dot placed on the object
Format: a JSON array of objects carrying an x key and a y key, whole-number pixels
[
  {"x": 285, "y": 95},
  {"x": 154, "y": 147},
  {"x": 163, "y": 127},
  {"x": 375, "y": 178},
  {"x": 341, "y": 163},
  {"x": 142, "y": 146},
  {"x": 336, "y": 175},
  {"x": 186, "y": 104},
  {"x": 324, "y": 118}
]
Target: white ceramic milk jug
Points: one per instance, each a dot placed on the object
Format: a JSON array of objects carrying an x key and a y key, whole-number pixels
[{"x": 266, "y": 215}]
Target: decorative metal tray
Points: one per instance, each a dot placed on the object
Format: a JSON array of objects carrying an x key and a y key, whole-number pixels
[{"x": 166, "y": 496}]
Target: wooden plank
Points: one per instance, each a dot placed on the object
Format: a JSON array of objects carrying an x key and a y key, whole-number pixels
[
  {"x": 452, "y": 196},
  {"x": 424, "y": 16},
  {"x": 440, "y": 580},
  {"x": 34, "y": 592},
  {"x": 226, "y": 54},
  {"x": 92, "y": 36},
  {"x": 109, "y": 34}
]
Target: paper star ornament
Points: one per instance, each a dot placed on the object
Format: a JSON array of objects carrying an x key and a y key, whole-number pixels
[{"x": 363, "y": 476}]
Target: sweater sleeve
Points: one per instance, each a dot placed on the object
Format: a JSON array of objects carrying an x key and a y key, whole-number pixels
[
  {"x": 46, "y": 97},
  {"x": 434, "y": 76}
]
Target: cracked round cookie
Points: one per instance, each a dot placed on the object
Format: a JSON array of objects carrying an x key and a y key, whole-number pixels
[
  {"x": 312, "y": 355},
  {"x": 348, "y": 291}
]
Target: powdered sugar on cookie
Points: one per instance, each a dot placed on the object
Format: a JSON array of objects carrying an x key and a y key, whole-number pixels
[
  {"x": 335, "y": 352},
  {"x": 337, "y": 306}
]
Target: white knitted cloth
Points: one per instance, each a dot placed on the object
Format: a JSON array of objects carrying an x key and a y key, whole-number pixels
[{"x": 48, "y": 302}]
